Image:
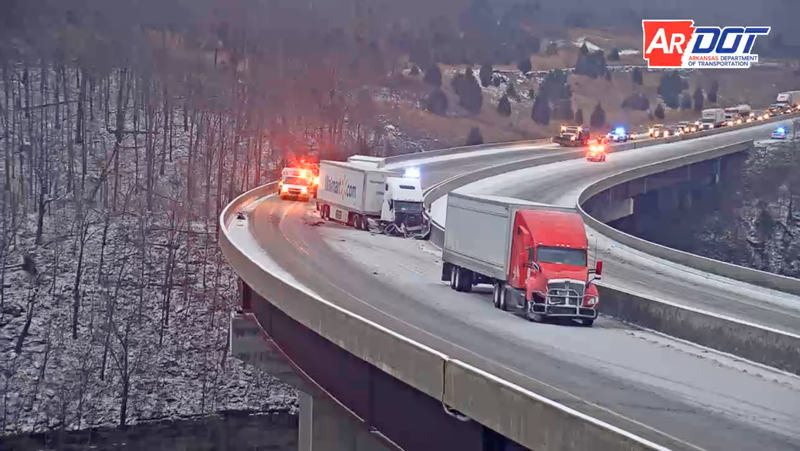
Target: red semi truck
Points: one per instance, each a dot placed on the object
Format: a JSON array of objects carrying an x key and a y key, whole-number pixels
[{"x": 534, "y": 255}]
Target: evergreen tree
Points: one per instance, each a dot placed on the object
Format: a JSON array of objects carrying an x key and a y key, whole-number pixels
[
  {"x": 525, "y": 66},
  {"x": 598, "y": 118},
  {"x": 475, "y": 138},
  {"x": 670, "y": 87},
  {"x": 437, "y": 102},
  {"x": 433, "y": 76},
  {"x": 712, "y": 93},
  {"x": 541, "y": 110},
  {"x": 504, "y": 106},
  {"x": 659, "y": 113},
  {"x": 414, "y": 70},
  {"x": 579, "y": 117},
  {"x": 614, "y": 55},
  {"x": 511, "y": 92},
  {"x": 698, "y": 99},
  {"x": 686, "y": 101},
  {"x": 469, "y": 92},
  {"x": 636, "y": 76},
  {"x": 486, "y": 75}
]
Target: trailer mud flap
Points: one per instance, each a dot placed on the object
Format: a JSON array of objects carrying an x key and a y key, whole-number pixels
[{"x": 446, "y": 271}]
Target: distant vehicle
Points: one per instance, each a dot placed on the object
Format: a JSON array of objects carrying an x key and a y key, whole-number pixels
[
  {"x": 596, "y": 152},
  {"x": 572, "y": 136},
  {"x": 788, "y": 100},
  {"x": 779, "y": 133},
  {"x": 774, "y": 110},
  {"x": 656, "y": 130},
  {"x": 536, "y": 256},
  {"x": 666, "y": 132},
  {"x": 712, "y": 118},
  {"x": 686, "y": 127},
  {"x": 618, "y": 135},
  {"x": 736, "y": 115}
]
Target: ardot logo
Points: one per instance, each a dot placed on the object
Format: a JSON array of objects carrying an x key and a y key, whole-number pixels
[
  {"x": 340, "y": 187},
  {"x": 679, "y": 44}
]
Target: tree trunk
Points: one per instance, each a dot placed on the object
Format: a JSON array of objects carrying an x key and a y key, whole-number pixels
[
  {"x": 76, "y": 297},
  {"x": 70, "y": 141}
]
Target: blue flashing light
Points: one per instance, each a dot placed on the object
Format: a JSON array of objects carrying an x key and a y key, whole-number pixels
[
  {"x": 780, "y": 130},
  {"x": 619, "y": 131},
  {"x": 412, "y": 173}
]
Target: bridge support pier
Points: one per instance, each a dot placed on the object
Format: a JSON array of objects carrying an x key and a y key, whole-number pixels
[
  {"x": 325, "y": 427},
  {"x": 324, "y": 424}
]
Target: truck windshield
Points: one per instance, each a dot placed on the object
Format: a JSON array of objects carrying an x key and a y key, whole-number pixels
[
  {"x": 408, "y": 207},
  {"x": 295, "y": 181},
  {"x": 561, "y": 256}
]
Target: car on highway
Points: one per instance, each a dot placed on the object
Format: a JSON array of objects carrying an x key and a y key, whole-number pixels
[
  {"x": 779, "y": 133},
  {"x": 665, "y": 132},
  {"x": 596, "y": 152},
  {"x": 618, "y": 135},
  {"x": 656, "y": 130},
  {"x": 686, "y": 127}
]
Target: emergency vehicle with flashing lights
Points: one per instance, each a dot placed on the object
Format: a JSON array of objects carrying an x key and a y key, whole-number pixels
[
  {"x": 296, "y": 184},
  {"x": 535, "y": 256},
  {"x": 597, "y": 151},
  {"x": 779, "y": 133},
  {"x": 618, "y": 135},
  {"x": 572, "y": 136}
]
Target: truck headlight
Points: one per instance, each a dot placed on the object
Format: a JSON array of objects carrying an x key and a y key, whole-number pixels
[
  {"x": 303, "y": 190},
  {"x": 284, "y": 188},
  {"x": 591, "y": 301}
]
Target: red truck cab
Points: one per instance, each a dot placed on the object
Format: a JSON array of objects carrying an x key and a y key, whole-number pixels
[{"x": 549, "y": 266}]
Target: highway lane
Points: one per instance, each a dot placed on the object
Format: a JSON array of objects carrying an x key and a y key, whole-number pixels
[
  {"x": 633, "y": 271},
  {"x": 668, "y": 392}
]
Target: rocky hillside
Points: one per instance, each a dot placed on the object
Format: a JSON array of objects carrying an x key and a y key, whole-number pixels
[{"x": 753, "y": 219}]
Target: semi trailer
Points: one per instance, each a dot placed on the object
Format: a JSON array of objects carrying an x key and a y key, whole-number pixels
[
  {"x": 358, "y": 190},
  {"x": 535, "y": 256}
]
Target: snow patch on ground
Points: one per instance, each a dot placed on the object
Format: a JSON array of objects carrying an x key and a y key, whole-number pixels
[
  {"x": 628, "y": 52},
  {"x": 592, "y": 47},
  {"x": 508, "y": 148}
]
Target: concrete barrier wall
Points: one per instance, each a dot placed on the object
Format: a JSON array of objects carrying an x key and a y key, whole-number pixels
[
  {"x": 753, "y": 276},
  {"x": 464, "y": 149},
  {"x": 759, "y": 344},
  {"x": 423, "y": 368},
  {"x": 540, "y": 424}
]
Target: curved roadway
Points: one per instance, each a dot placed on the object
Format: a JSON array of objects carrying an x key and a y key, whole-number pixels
[{"x": 673, "y": 393}]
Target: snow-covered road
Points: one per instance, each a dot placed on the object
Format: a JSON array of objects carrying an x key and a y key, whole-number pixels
[{"x": 629, "y": 269}]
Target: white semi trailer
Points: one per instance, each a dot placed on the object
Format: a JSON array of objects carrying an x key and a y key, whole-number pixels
[{"x": 355, "y": 191}]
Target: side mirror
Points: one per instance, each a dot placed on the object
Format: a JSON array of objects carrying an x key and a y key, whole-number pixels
[
  {"x": 532, "y": 265},
  {"x": 598, "y": 269}
]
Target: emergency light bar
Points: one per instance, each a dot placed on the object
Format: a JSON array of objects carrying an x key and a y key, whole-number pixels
[{"x": 412, "y": 173}]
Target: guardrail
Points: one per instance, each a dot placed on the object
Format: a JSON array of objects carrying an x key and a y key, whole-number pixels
[
  {"x": 711, "y": 266},
  {"x": 520, "y": 415},
  {"x": 464, "y": 149}
]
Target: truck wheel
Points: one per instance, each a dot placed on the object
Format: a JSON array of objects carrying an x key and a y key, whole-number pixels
[
  {"x": 464, "y": 282},
  {"x": 356, "y": 222},
  {"x": 499, "y": 295},
  {"x": 365, "y": 224},
  {"x": 454, "y": 277},
  {"x": 586, "y": 322},
  {"x": 326, "y": 212}
]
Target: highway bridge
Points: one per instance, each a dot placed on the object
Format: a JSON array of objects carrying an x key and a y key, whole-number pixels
[{"x": 362, "y": 324}]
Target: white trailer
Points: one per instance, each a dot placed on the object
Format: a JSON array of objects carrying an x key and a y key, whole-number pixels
[
  {"x": 712, "y": 118},
  {"x": 788, "y": 99},
  {"x": 355, "y": 191}
]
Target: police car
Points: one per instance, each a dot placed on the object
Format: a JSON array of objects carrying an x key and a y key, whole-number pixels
[
  {"x": 618, "y": 135},
  {"x": 779, "y": 133}
]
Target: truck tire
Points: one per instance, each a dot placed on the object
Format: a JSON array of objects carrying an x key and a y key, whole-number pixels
[
  {"x": 356, "y": 221},
  {"x": 464, "y": 282},
  {"x": 453, "y": 277},
  {"x": 325, "y": 212},
  {"x": 365, "y": 223},
  {"x": 499, "y": 296},
  {"x": 586, "y": 322}
]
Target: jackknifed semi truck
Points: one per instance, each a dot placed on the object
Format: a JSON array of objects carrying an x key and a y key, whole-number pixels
[
  {"x": 535, "y": 256},
  {"x": 360, "y": 189}
]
